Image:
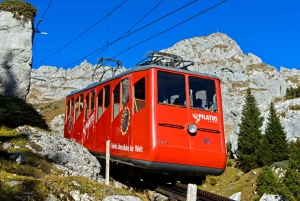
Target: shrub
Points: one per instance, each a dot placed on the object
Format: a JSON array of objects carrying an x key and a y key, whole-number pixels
[
  {"x": 19, "y": 8},
  {"x": 16, "y": 112}
]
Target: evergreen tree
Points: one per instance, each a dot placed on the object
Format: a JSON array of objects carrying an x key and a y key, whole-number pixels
[
  {"x": 250, "y": 134},
  {"x": 276, "y": 137},
  {"x": 265, "y": 154}
]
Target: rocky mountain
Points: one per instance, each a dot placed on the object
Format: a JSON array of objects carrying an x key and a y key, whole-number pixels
[
  {"x": 16, "y": 37},
  {"x": 215, "y": 54}
]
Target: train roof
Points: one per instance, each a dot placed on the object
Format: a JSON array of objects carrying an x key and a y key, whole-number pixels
[{"x": 141, "y": 68}]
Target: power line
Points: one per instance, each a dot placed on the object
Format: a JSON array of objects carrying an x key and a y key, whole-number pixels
[
  {"x": 47, "y": 9},
  {"x": 132, "y": 32},
  {"x": 109, "y": 44},
  {"x": 81, "y": 34},
  {"x": 184, "y": 21},
  {"x": 36, "y": 28},
  {"x": 170, "y": 28}
]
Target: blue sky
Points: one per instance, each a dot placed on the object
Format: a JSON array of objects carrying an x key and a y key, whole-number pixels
[{"x": 269, "y": 29}]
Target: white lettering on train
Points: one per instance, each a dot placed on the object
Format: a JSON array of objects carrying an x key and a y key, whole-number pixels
[
  {"x": 206, "y": 117},
  {"x": 88, "y": 123}
]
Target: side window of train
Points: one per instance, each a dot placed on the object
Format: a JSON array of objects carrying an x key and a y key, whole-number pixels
[
  {"x": 171, "y": 89},
  {"x": 106, "y": 97},
  {"x": 125, "y": 91},
  {"x": 92, "y": 99},
  {"x": 139, "y": 95},
  {"x": 87, "y": 102},
  {"x": 81, "y": 104},
  {"x": 202, "y": 94},
  {"x": 100, "y": 104},
  {"x": 71, "y": 111},
  {"x": 77, "y": 108},
  {"x": 116, "y": 108}
]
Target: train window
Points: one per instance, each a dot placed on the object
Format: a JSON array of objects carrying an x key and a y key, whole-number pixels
[
  {"x": 87, "y": 102},
  {"x": 139, "y": 95},
  {"x": 92, "y": 99},
  {"x": 116, "y": 108},
  {"x": 76, "y": 107},
  {"x": 100, "y": 103},
  {"x": 71, "y": 107},
  {"x": 125, "y": 92},
  {"x": 68, "y": 109},
  {"x": 202, "y": 94},
  {"x": 171, "y": 88},
  {"x": 107, "y": 97},
  {"x": 80, "y": 104}
]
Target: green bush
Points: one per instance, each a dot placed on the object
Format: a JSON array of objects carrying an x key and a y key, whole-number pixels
[
  {"x": 19, "y": 8},
  {"x": 15, "y": 112}
]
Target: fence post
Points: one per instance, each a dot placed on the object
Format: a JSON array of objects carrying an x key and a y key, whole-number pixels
[
  {"x": 191, "y": 192},
  {"x": 107, "y": 158}
]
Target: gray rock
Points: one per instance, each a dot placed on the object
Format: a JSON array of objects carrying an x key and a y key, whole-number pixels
[
  {"x": 237, "y": 196},
  {"x": 268, "y": 197},
  {"x": 15, "y": 55},
  {"x": 51, "y": 197},
  {"x": 19, "y": 157},
  {"x": 7, "y": 145},
  {"x": 122, "y": 198},
  {"x": 57, "y": 125},
  {"x": 67, "y": 155}
]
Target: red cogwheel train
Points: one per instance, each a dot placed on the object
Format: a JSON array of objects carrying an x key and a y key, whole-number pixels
[{"x": 159, "y": 117}]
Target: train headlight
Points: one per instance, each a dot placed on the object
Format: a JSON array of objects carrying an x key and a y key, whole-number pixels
[{"x": 192, "y": 128}]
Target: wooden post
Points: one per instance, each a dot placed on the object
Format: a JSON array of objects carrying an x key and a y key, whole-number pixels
[
  {"x": 191, "y": 192},
  {"x": 107, "y": 158}
]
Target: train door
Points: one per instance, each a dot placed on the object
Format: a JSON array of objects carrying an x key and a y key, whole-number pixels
[
  {"x": 206, "y": 114},
  {"x": 121, "y": 115},
  {"x": 172, "y": 116},
  {"x": 79, "y": 117},
  {"x": 89, "y": 123},
  {"x": 141, "y": 130},
  {"x": 103, "y": 122},
  {"x": 69, "y": 118}
]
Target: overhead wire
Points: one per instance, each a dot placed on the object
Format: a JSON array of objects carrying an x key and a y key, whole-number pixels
[
  {"x": 171, "y": 27},
  {"x": 80, "y": 34},
  {"x": 36, "y": 28},
  {"x": 184, "y": 21},
  {"x": 109, "y": 44},
  {"x": 131, "y": 33}
]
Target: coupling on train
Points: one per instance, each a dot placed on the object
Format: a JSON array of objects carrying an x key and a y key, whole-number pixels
[{"x": 159, "y": 117}]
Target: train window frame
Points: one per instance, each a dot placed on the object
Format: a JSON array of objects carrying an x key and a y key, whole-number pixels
[
  {"x": 92, "y": 94},
  {"x": 203, "y": 91},
  {"x": 106, "y": 97},
  {"x": 172, "y": 96},
  {"x": 77, "y": 103},
  {"x": 100, "y": 100},
  {"x": 71, "y": 110},
  {"x": 87, "y": 103},
  {"x": 116, "y": 100},
  {"x": 139, "y": 90},
  {"x": 81, "y": 103},
  {"x": 125, "y": 91}
]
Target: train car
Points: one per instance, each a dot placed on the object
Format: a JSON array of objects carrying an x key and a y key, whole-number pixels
[{"x": 159, "y": 118}]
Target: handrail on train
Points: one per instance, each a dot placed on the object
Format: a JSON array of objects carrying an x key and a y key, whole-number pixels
[
  {"x": 101, "y": 63},
  {"x": 164, "y": 59}
]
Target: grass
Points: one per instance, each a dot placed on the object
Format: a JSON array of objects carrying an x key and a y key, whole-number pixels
[
  {"x": 38, "y": 177},
  {"x": 231, "y": 182}
]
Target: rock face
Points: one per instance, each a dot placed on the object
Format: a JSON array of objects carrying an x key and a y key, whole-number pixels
[
  {"x": 65, "y": 154},
  {"x": 16, "y": 39},
  {"x": 215, "y": 54},
  {"x": 49, "y": 83}
]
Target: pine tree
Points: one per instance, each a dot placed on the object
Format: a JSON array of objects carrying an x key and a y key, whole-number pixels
[
  {"x": 250, "y": 135},
  {"x": 276, "y": 137}
]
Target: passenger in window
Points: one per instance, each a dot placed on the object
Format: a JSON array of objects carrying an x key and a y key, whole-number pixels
[
  {"x": 198, "y": 103},
  {"x": 176, "y": 101}
]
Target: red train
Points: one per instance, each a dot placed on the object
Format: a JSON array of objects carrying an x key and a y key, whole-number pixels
[{"x": 159, "y": 117}]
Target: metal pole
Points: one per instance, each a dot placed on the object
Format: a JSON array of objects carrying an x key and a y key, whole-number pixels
[
  {"x": 191, "y": 192},
  {"x": 107, "y": 162}
]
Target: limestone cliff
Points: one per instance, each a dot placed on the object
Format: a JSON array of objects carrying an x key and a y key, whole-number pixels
[{"x": 16, "y": 38}]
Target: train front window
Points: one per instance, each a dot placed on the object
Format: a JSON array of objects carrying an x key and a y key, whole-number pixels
[
  {"x": 171, "y": 89},
  {"x": 202, "y": 94}
]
